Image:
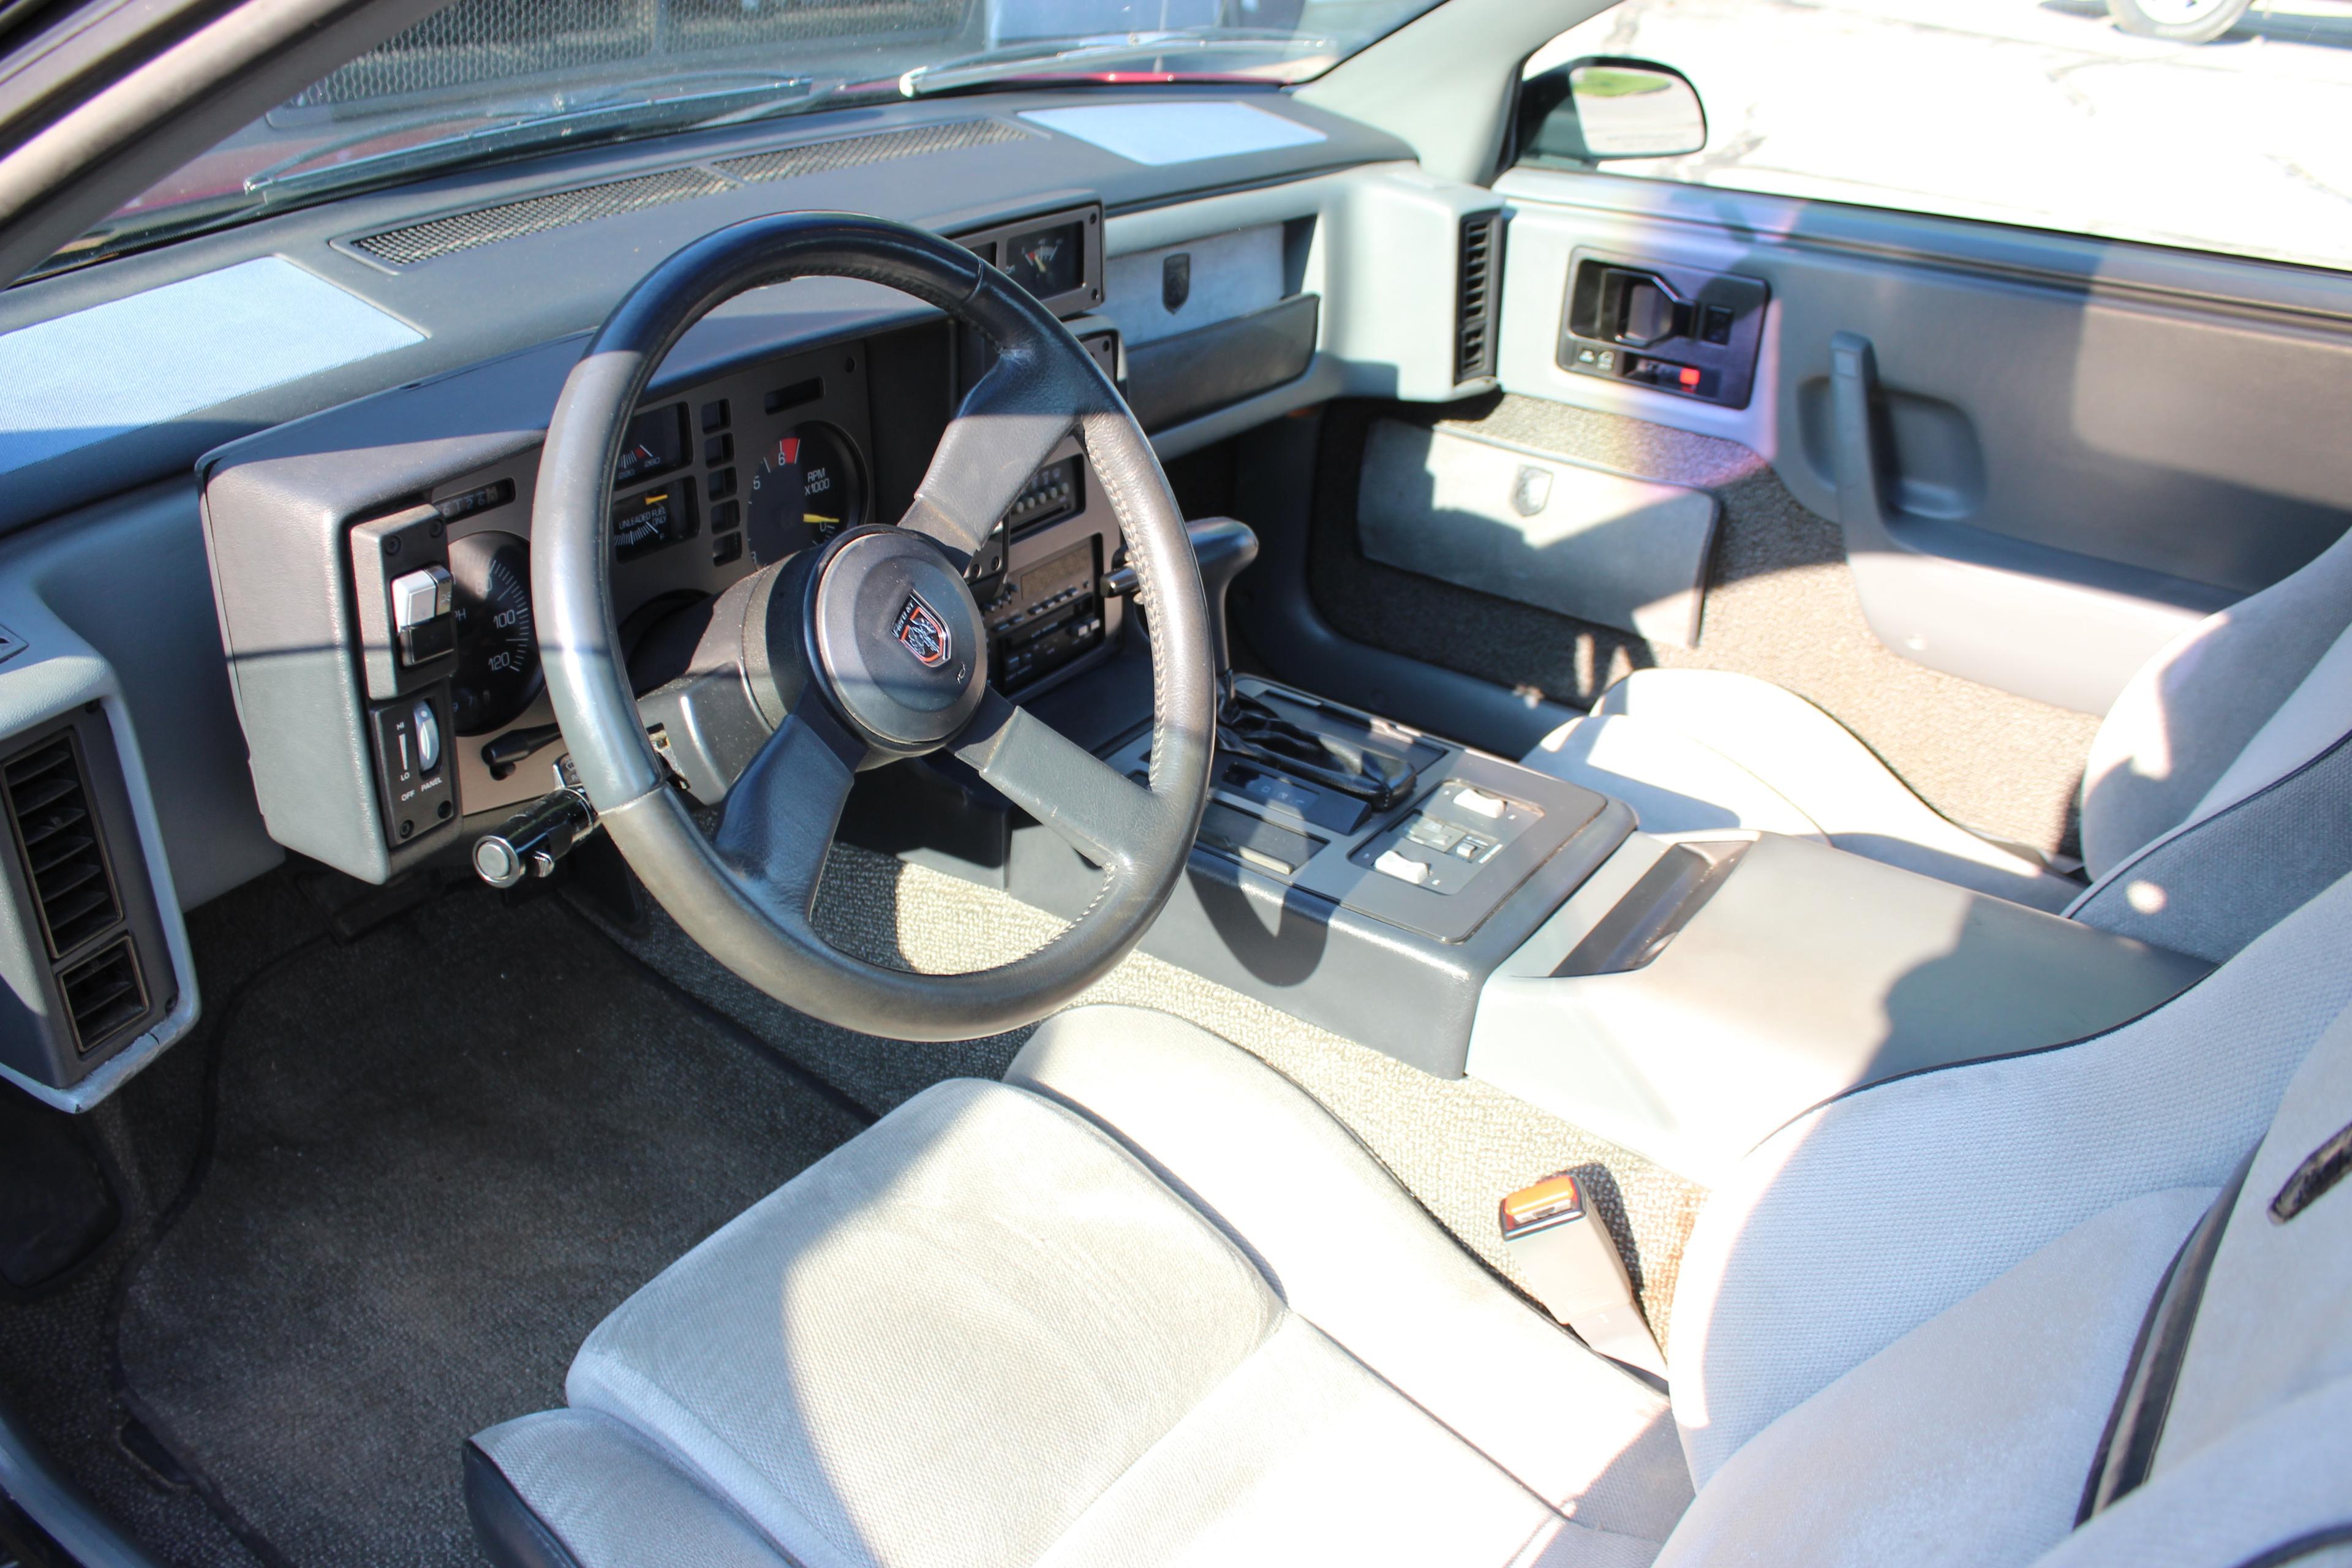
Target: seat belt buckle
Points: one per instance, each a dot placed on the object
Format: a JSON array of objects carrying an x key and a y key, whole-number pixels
[{"x": 1571, "y": 1266}]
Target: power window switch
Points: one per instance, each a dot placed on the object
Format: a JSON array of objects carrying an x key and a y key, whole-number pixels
[
  {"x": 1478, "y": 803},
  {"x": 421, "y": 621},
  {"x": 1403, "y": 867}
]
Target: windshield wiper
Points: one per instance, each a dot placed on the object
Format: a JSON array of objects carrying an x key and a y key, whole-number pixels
[
  {"x": 1090, "y": 61},
  {"x": 292, "y": 179}
]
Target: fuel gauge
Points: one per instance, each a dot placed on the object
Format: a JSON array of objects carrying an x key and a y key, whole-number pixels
[{"x": 807, "y": 488}]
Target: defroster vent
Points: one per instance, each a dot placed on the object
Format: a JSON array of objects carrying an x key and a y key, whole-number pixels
[
  {"x": 447, "y": 236},
  {"x": 55, "y": 825},
  {"x": 535, "y": 215},
  {"x": 877, "y": 147},
  {"x": 1478, "y": 297}
]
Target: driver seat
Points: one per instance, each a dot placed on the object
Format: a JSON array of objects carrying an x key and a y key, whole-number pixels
[{"x": 1145, "y": 1302}]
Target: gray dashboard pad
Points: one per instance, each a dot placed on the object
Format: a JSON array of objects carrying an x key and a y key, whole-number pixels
[{"x": 547, "y": 272}]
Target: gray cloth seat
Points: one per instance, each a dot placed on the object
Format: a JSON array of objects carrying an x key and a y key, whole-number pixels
[
  {"x": 2253, "y": 697},
  {"x": 1146, "y": 1303}
]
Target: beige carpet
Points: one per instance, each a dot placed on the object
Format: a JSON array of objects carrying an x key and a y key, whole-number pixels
[{"x": 1456, "y": 1145}]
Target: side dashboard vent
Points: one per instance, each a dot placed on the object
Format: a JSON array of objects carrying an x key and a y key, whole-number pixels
[
  {"x": 56, "y": 832},
  {"x": 877, "y": 147},
  {"x": 1478, "y": 295},
  {"x": 447, "y": 236},
  {"x": 103, "y": 994}
]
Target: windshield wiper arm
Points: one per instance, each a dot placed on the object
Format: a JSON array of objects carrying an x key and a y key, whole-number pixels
[
  {"x": 1083, "y": 59},
  {"x": 290, "y": 179}
]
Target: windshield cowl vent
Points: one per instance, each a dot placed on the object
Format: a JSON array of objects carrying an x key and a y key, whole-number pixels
[
  {"x": 413, "y": 244},
  {"x": 1479, "y": 296},
  {"x": 56, "y": 833}
]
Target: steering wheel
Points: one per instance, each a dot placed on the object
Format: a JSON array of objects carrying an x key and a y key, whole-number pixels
[{"x": 871, "y": 648}]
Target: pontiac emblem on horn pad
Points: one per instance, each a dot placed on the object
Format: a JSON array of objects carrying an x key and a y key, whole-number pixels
[{"x": 921, "y": 632}]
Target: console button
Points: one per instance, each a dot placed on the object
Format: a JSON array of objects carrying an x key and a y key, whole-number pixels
[
  {"x": 1403, "y": 867},
  {"x": 1478, "y": 803}
]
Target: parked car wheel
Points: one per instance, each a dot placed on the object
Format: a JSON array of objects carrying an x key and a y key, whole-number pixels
[{"x": 2181, "y": 21}]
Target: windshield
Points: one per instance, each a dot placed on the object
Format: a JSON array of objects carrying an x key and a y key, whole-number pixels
[{"x": 484, "y": 80}]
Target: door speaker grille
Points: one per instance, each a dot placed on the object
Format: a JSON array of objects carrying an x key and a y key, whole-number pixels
[
  {"x": 56, "y": 833},
  {"x": 535, "y": 215},
  {"x": 877, "y": 147},
  {"x": 1479, "y": 299}
]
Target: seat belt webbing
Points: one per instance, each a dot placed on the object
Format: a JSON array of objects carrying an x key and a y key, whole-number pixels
[{"x": 2127, "y": 1447}]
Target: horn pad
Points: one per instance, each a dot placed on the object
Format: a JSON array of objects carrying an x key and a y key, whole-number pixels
[{"x": 895, "y": 638}]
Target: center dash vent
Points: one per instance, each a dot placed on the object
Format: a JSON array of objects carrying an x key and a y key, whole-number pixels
[
  {"x": 49, "y": 808},
  {"x": 535, "y": 215},
  {"x": 1478, "y": 297},
  {"x": 879, "y": 147}
]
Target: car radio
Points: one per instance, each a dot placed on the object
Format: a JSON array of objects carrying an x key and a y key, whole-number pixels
[{"x": 1045, "y": 616}]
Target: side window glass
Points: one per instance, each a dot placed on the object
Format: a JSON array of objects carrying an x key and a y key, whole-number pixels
[{"x": 2207, "y": 124}]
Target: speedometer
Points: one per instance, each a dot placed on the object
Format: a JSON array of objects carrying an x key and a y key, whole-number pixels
[
  {"x": 806, "y": 489},
  {"x": 498, "y": 647}
]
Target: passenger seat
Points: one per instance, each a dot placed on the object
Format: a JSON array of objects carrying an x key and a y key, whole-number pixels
[{"x": 2216, "y": 798}]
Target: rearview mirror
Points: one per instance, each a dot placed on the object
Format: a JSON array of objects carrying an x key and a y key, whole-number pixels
[{"x": 1604, "y": 106}]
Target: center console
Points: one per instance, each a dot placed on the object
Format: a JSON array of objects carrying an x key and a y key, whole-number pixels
[
  {"x": 1349, "y": 870},
  {"x": 1468, "y": 915}
]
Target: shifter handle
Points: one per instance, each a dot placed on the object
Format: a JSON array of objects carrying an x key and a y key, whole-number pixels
[{"x": 1224, "y": 547}]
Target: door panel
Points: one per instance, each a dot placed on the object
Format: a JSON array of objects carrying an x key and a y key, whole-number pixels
[
  {"x": 1780, "y": 605},
  {"x": 1983, "y": 475}
]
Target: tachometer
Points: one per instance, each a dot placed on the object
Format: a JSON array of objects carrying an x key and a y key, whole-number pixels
[
  {"x": 498, "y": 647},
  {"x": 806, "y": 489}
]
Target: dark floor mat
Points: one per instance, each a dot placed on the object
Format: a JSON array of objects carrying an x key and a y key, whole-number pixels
[{"x": 440, "y": 1156}]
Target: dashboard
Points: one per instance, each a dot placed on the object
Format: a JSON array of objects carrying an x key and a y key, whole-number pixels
[
  {"x": 729, "y": 467},
  {"x": 298, "y": 617}
]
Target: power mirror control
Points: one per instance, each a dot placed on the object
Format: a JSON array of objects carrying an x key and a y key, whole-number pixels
[{"x": 1670, "y": 328}]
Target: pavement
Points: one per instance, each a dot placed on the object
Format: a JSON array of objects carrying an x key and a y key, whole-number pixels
[{"x": 2033, "y": 111}]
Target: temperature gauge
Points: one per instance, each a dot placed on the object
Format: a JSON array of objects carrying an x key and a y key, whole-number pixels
[
  {"x": 643, "y": 524},
  {"x": 806, "y": 489}
]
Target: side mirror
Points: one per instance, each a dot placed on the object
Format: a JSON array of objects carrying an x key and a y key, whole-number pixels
[{"x": 1604, "y": 106}]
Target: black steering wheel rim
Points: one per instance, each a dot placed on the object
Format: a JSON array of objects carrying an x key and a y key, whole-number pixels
[{"x": 746, "y": 896}]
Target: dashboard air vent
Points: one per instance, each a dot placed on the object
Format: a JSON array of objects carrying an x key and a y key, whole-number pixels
[
  {"x": 535, "y": 215},
  {"x": 56, "y": 832},
  {"x": 876, "y": 147},
  {"x": 103, "y": 994},
  {"x": 1479, "y": 296}
]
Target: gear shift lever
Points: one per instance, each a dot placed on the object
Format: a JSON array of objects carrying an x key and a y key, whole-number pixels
[
  {"x": 1249, "y": 728},
  {"x": 1225, "y": 548}
]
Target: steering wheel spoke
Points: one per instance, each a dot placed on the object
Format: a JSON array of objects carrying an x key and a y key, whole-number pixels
[
  {"x": 1096, "y": 810},
  {"x": 1007, "y": 429},
  {"x": 783, "y": 811}
]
